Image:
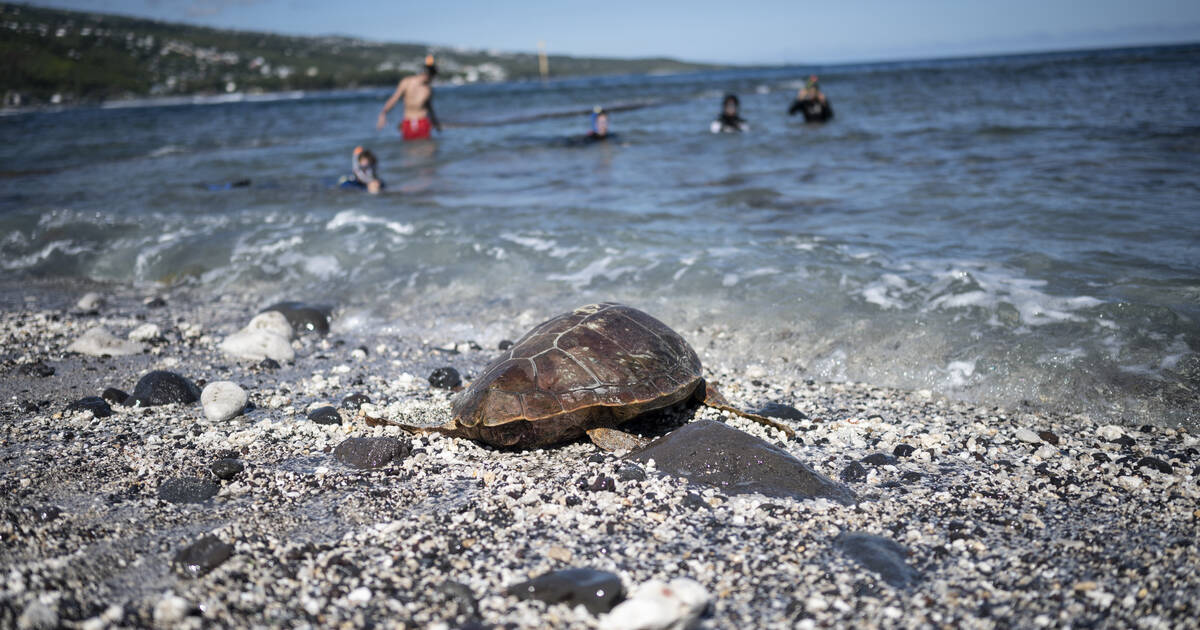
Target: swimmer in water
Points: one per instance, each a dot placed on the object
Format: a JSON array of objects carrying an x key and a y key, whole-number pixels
[
  {"x": 730, "y": 120},
  {"x": 811, "y": 101},
  {"x": 417, "y": 92},
  {"x": 599, "y": 125},
  {"x": 365, "y": 175}
]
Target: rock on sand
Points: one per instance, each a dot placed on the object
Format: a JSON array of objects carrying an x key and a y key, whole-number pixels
[
  {"x": 714, "y": 454},
  {"x": 267, "y": 336},
  {"x": 657, "y": 605},
  {"x": 223, "y": 400},
  {"x": 98, "y": 342},
  {"x": 163, "y": 388}
]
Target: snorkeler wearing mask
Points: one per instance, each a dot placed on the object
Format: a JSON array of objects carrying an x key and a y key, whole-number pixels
[{"x": 811, "y": 101}]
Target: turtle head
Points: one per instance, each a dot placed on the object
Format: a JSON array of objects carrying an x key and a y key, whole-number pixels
[{"x": 494, "y": 398}]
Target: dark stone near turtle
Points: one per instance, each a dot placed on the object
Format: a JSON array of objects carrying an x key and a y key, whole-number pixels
[
  {"x": 1048, "y": 437},
  {"x": 164, "y": 388},
  {"x": 268, "y": 364},
  {"x": 303, "y": 317},
  {"x": 94, "y": 404},
  {"x": 879, "y": 459},
  {"x": 854, "y": 472},
  {"x": 325, "y": 415},
  {"x": 504, "y": 344},
  {"x": 371, "y": 452},
  {"x": 603, "y": 483},
  {"x": 781, "y": 411},
  {"x": 202, "y": 556},
  {"x": 354, "y": 401},
  {"x": 445, "y": 378},
  {"x": 461, "y": 596},
  {"x": 903, "y": 450},
  {"x": 881, "y": 555},
  {"x": 37, "y": 369},
  {"x": 114, "y": 396},
  {"x": 598, "y": 591},
  {"x": 47, "y": 513},
  {"x": 227, "y": 468},
  {"x": 187, "y": 490},
  {"x": 629, "y": 471},
  {"x": 714, "y": 454},
  {"x": 1155, "y": 463},
  {"x": 693, "y": 501},
  {"x": 154, "y": 302},
  {"x": 1125, "y": 441}
]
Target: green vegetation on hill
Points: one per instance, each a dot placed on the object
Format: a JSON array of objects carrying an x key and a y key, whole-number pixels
[{"x": 51, "y": 55}]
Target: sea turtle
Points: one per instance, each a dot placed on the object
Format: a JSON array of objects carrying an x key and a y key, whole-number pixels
[{"x": 593, "y": 368}]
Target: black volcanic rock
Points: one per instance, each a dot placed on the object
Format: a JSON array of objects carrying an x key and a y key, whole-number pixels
[
  {"x": 304, "y": 317},
  {"x": 714, "y": 454},
  {"x": 94, "y": 404},
  {"x": 163, "y": 388},
  {"x": 202, "y": 556},
  {"x": 371, "y": 452},
  {"x": 598, "y": 591},
  {"x": 881, "y": 555}
]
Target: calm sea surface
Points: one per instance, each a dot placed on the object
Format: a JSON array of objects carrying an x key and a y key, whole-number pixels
[{"x": 998, "y": 229}]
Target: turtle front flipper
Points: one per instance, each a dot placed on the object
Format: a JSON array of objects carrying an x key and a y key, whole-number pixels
[
  {"x": 713, "y": 398},
  {"x": 610, "y": 440}
]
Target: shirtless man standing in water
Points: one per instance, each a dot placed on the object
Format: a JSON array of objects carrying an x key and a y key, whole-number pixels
[{"x": 417, "y": 92}]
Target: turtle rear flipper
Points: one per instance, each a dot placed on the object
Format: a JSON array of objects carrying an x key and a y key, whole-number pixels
[
  {"x": 713, "y": 398},
  {"x": 451, "y": 428}
]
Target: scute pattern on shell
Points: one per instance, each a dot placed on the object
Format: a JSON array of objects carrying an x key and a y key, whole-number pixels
[{"x": 599, "y": 364}]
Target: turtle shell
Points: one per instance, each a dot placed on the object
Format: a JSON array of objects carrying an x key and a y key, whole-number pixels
[{"x": 597, "y": 366}]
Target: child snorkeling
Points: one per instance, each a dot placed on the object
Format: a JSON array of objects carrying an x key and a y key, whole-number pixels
[{"x": 365, "y": 176}]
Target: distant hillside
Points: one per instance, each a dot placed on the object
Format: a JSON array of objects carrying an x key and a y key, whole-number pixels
[{"x": 56, "y": 56}]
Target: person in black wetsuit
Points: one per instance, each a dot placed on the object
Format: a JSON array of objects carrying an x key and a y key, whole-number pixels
[
  {"x": 812, "y": 102},
  {"x": 730, "y": 119}
]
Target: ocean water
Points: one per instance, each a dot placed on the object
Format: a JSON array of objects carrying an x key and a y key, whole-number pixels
[{"x": 1018, "y": 230}]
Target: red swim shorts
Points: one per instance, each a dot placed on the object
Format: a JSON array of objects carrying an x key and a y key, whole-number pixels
[{"x": 415, "y": 129}]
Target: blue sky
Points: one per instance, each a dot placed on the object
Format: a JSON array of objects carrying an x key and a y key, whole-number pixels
[{"x": 732, "y": 31}]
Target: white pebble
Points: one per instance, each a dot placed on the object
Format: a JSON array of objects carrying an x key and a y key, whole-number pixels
[
  {"x": 268, "y": 335},
  {"x": 38, "y": 615},
  {"x": 1110, "y": 432},
  {"x": 272, "y": 322},
  {"x": 1027, "y": 436},
  {"x": 1130, "y": 483},
  {"x": 360, "y": 595},
  {"x": 90, "y": 301},
  {"x": 145, "y": 332},
  {"x": 170, "y": 610},
  {"x": 223, "y": 400},
  {"x": 659, "y": 606},
  {"x": 98, "y": 342}
]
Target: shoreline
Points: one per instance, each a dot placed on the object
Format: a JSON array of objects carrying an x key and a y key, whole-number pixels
[{"x": 1003, "y": 528}]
